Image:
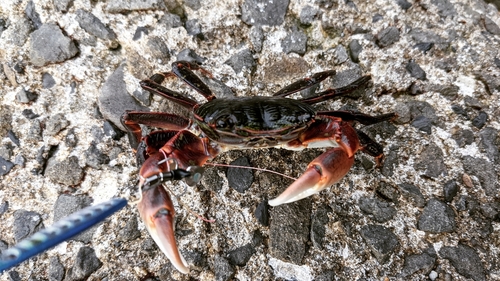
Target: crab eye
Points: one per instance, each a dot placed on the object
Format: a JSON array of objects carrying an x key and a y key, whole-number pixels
[{"x": 224, "y": 122}]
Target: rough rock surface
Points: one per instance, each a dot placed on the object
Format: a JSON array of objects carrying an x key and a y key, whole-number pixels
[{"x": 69, "y": 68}]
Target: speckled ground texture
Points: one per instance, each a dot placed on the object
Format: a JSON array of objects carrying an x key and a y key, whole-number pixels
[{"x": 68, "y": 69}]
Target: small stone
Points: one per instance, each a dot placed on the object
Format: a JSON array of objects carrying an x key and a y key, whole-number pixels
[
  {"x": 295, "y": 42},
  {"x": 20, "y": 160},
  {"x": 49, "y": 45},
  {"x": 412, "y": 192},
  {"x": 3, "y": 208},
  {"x": 256, "y": 38},
  {"x": 224, "y": 271},
  {"x": 484, "y": 171},
  {"x": 422, "y": 263},
  {"x": 490, "y": 143},
  {"x": 112, "y": 131},
  {"x": 158, "y": 49},
  {"x": 497, "y": 62},
  {"x": 459, "y": 110},
  {"x": 86, "y": 263},
  {"x": 450, "y": 190},
  {"x": 68, "y": 204},
  {"x": 140, "y": 31},
  {"x": 63, "y": 5},
  {"x": 405, "y": 5},
  {"x": 193, "y": 27},
  {"x": 26, "y": 223},
  {"x": 437, "y": 217},
  {"x": 387, "y": 36},
  {"x": 190, "y": 56},
  {"x": 388, "y": 192},
  {"x": 71, "y": 139},
  {"x": 473, "y": 102},
  {"x": 377, "y": 17},
  {"x": 415, "y": 89},
  {"x": 35, "y": 131},
  {"x": 239, "y": 178},
  {"x": 12, "y": 136},
  {"x": 5, "y": 166},
  {"x": 463, "y": 137},
  {"x": 423, "y": 124},
  {"x": 56, "y": 269},
  {"x": 14, "y": 276},
  {"x": 262, "y": 213},
  {"x": 355, "y": 50},
  {"x": 24, "y": 96},
  {"x": 431, "y": 161},
  {"x": 308, "y": 14},
  {"x": 193, "y": 4},
  {"x": 480, "y": 120},
  {"x": 424, "y": 47},
  {"x": 391, "y": 161},
  {"x": 95, "y": 157},
  {"x": 465, "y": 260},
  {"x": 114, "y": 98},
  {"x": 211, "y": 180},
  {"x": 170, "y": 21},
  {"x": 340, "y": 55},
  {"x": 241, "y": 60},
  {"x": 490, "y": 25},
  {"x": 19, "y": 68},
  {"x": 240, "y": 256},
  {"x": 415, "y": 70},
  {"x": 256, "y": 12},
  {"x": 377, "y": 209},
  {"x": 130, "y": 231},
  {"x": 47, "y": 81},
  {"x": 490, "y": 210},
  {"x": 67, "y": 172},
  {"x": 445, "y": 8},
  {"x": 93, "y": 25},
  {"x": 56, "y": 124},
  {"x": 143, "y": 96},
  {"x": 31, "y": 13},
  {"x": 28, "y": 113},
  {"x": 381, "y": 241}
]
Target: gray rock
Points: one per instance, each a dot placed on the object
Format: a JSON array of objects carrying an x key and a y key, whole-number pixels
[
  {"x": 14, "y": 276},
  {"x": 56, "y": 124},
  {"x": 308, "y": 14},
  {"x": 490, "y": 26},
  {"x": 437, "y": 217},
  {"x": 295, "y": 42},
  {"x": 3, "y": 208},
  {"x": 158, "y": 49},
  {"x": 63, "y": 5},
  {"x": 445, "y": 8},
  {"x": 415, "y": 70},
  {"x": 341, "y": 55},
  {"x": 259, "y": 12},
  {"x": 25, "y": 96},
  {"x": 484, "y": 171},
  {"x": 262, "y": 213},
  {"x": 86, "y": 263},
  {"x": 480, "y": 120},
  {"x": 224, "y": 271},
  {"x": 13, "y": 138},
  {"x": 94, "y": 26},
  {"x": 94, "y": 157},
  {"x": 391, "y": 160},
  {"x": 47, "y": 81},
  {"x": 26, "y": 223},
  {"x": 463, "y": 137},
  {"x": 191, "y": 56},
  {"x": 422, "y": 263},
  {"x": 256, "y": 38},
  {"x": 354, "y": 50},
  {"x": 35, "y": 131},
  {"x": 56, "y": 269},
  {"x": 114, "y": 98},
  {"x": 387, "y": 36},
  {"x": 66, "y": 172},
  {"x": 289, "y": 230},
  {"x": 29, "y": 114},
  {"x": 491, "y": 82},
  {"x": 450, "y": 190},
  {"x": 71, "y": 139},
  {"x": 124, "y": 6},
  {"x": 5, "y": 166},
  {"x": 193, "y": 27},
  {"x": 431, "y": 162},
  {"x": 388, "y": 192},
  {"x": 380, "y": 240},
  {"x": 140, "y": 32},
  {"x": 241, "y": 60},
  {"x": 423, "y": 124},
  {"x": 490, "y": 143},
  {"x": 130, "y": 231},
  {"x": 465, "y": 260},
  {"x": 377, "y": 209},
  {"x": 403, "y": 4},
  {"x": 239, "y": 178},
  {"x": 170, "y": 21},
  {"x": 193, "y": 4},
  {"x": 112, "y": 131},
  {"x": 31, "y": 13},
  {"x": 49, "y": 45},
  {"x": 240, "y": 256}
]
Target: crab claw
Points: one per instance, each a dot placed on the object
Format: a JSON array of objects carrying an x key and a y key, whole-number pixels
[
  {"x": 157, "y": 212},
  {"x": 325, "y": 170}
]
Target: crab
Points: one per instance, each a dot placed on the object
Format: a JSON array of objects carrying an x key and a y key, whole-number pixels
[{"x": 183, "y": 145}]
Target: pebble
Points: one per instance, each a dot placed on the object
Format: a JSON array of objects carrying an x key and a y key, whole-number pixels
[
  {"x": 272, "y": 13},
  {"x": 422, "y": 123},
  {"x": 480, "y": 120},
  {"x": 378, "y": 210},
  {"x": 112, "y": 131},
  {"x": 93, "y": 25},
  {"x": 289, "y": 230},
  {"x": 412, "y": 193},
  {"x": 56, "y": 269},
  {"x": 193, "y": 4},
  {"x": 391, "y": 161},
  {"x": 28, "y": 113},
  {"x": 388, "y": 192},
  {"x": 55, "y": 124},
  {"x": 63, "y": 5},
  {"x": 492, "y": 82},
  {"x": 158, "y": 50},
  {"x": 49, "y": 45},
  {"x": 30, "y": 12},
  {"x": 422, "y": 263},
  {"x": 191, "y": 56},
  {"x": 308, "y": 14},
  {"x": 26, "y": 223},
  {"x": 13, "y": 138},
  {"x": 497, "y": 62},
  {"x": 3, "y": 208},
  {"x": 380, "y": 240},
  {"x": 445, "y": 8},
  {"x": 170, "y": 21},
  {"x": 71, "y": 139},
  {"x": 94, "y": 157},
  {"x": 47, "y": 81},
  {"x": 131, "y": 230},
  {"x": 403, "y": 4},
  {"x": 24, "y": 96},
  {"x": 5, "y": 166},
  {"x": 387, "y": 36},
  {"x": 239, "y": 178},
  {"x": 295, "y": 42},
  {"x": 490, "y": 25},
  {"x": 490, "y": 143},
  {"x": 377, "y": 17},
  {"x": 140, "y": 31},
  {"x": 256, "y": 36},
  {"x": 484, "y": 171},
  {"x": 241, "y": 255},
  {"x": 450, "y": 190},
  {"x": 66, "y": 172},
  {"x": 355, "y": 50},
  {"x": 431, "y": 162},
  {"x": 424, "y": 47},
  {"x": 114, "y": 99},
  {"x": 465, "y": 260},
  {"x": 14, "y": 276},
  {"x": 193, "y": 27},
  {"x": 415, "y": 70},
  {"x": 437, "y": 217},
  {"x": 459, "y": 110},
  {"x": 262, "y": 213},
  {"x": 463, "y": 137},
  {"x": 224, "y": 271},
  {"x": 242, "y": 60},
  {"x": 86, "y": 263}
]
